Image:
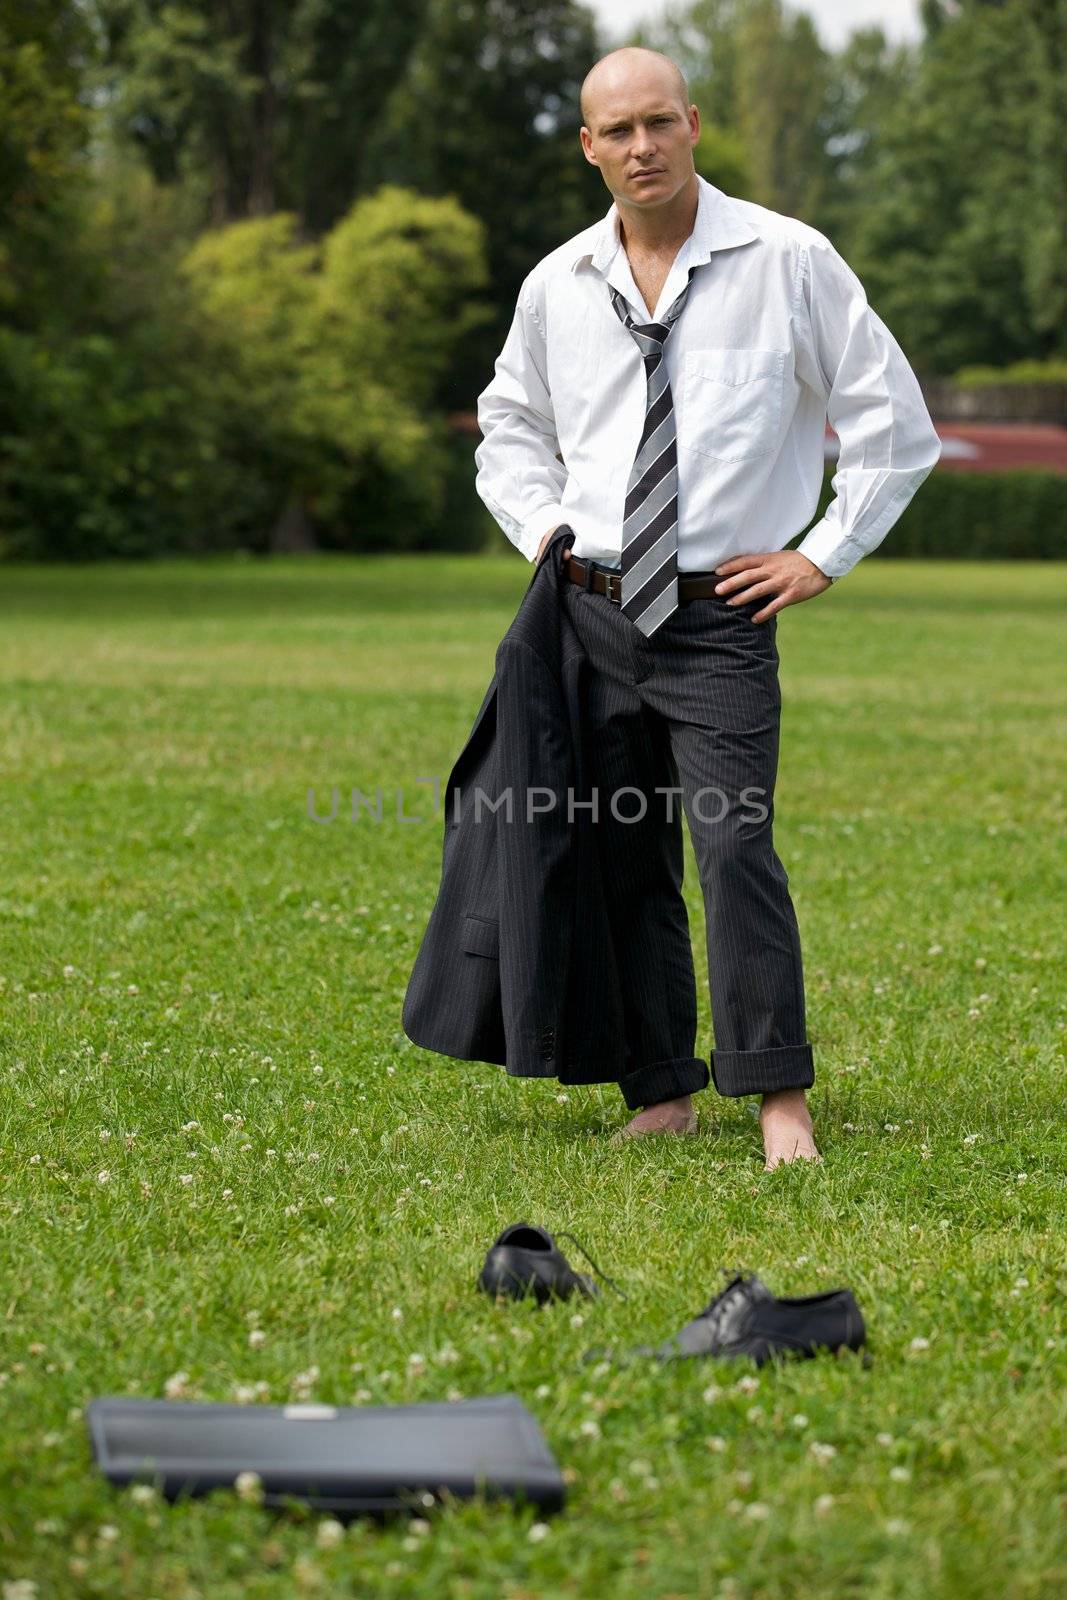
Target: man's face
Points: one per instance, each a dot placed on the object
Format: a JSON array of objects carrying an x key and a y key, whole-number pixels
[{"x": 641, "y": 137}]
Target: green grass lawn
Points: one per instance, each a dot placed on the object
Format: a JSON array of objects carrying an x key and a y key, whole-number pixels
[{"x": 213, "y": 1124}]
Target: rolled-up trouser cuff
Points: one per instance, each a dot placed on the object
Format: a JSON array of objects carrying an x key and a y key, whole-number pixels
[
  {"x": 791, "y": 1066},
  {"x": 664, "y": 1080}
]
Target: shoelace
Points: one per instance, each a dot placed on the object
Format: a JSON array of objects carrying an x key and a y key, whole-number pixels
[
  {"x": 715, "y": 1311},
  {"x": 593, "y": 1264}
]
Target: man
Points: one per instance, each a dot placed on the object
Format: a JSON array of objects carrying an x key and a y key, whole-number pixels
[{"x": 663, "y": 391}]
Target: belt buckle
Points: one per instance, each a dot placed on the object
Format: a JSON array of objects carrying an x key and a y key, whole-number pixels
[{"x": 611, "y": 579}]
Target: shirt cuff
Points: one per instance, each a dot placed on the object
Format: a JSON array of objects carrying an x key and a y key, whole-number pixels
[
  {"x": 535, "y": 528},
  {"x": 825, "y": 546}
]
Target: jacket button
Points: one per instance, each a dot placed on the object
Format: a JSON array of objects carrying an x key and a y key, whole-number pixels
[{"x": 548, "y": 1041}]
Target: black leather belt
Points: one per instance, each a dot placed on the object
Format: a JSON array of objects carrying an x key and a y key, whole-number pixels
[{"x": 608, "y": 580}]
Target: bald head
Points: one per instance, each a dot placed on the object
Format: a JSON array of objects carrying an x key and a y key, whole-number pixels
[{"x": 631, "y": 69}]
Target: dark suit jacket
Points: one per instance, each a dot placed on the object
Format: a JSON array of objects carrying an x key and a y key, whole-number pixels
[{"x": 517, "y": 963}]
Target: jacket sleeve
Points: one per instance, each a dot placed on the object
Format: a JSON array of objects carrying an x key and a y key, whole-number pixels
[
  {"x": 519, "y": 476},
  {"x": 888, "y": 443}
]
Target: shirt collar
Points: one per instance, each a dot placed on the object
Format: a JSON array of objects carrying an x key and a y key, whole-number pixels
[{"x": 719, "y": 225}]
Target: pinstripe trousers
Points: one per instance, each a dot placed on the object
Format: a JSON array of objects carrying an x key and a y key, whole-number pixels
[{"x": 692, "y": 715}]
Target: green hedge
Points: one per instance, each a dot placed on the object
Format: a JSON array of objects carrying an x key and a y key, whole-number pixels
[{"x": 979, "y": 516}]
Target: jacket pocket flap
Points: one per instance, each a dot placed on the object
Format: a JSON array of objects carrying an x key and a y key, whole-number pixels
[{"x": 481, "y": 936}]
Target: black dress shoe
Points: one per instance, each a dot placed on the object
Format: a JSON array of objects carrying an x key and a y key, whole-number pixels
[
  {"x": 747, "y": 1320},
  {"x": 526, "y": 1260}
]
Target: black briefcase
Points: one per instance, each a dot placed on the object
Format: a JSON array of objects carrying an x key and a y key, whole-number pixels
[{"x": 359, "y": 1460}]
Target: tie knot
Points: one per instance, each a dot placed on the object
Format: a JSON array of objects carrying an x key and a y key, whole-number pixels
[{"x": 651, "y": 336}]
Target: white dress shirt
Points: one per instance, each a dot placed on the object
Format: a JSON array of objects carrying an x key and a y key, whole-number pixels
[{"x": 775, "y": 336}]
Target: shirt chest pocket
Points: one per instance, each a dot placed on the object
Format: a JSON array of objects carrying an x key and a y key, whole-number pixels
[{"x": 731, "y": 402}]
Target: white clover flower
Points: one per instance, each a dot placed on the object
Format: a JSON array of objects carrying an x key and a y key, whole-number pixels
[
  {"x": 35, "y": 1161},
  {"x": 971, "y": 1138},
  {"x": 142, "y": 1494},
  {"x": 756, "y": 1511},
  {"x": 419, "y": 1526},
  {"x": 176, "y": 1386},
  {"x": 823, "y": 1504},
  {"x": 715, "y": 1443},
  {"x": 900, "y": 1474},
  {"x": 107, "y": 1533},
  {"x": 104, "y": 1176},
  {"x": 919, "y": 1343},
  {"x": 186, "y": 1179},
  {"x": 257, "y": 1339},
  {"x": 577, "y": 1320},
  {"x": 590, "y": 1429},
  {"x": 884, "y": 1439},
  {"x": 747, "y": 1385},
  {"x": 712, "y": 1393},
  {"x": 397, "y": 1314},
  {"x": 249, "y": 1486},
  {"x": 800, "y": 1420},
  {"x": 416, "y": 1362},
  {"x": 821, "y": 1452},
  {"x": 538, "y": 1532},
  {"x": 542, "y": 1391},
  {"x": 20, "y": 1589},
  {"x": 329, "y": 1534},
  {"x": 104, "y": 1135}
]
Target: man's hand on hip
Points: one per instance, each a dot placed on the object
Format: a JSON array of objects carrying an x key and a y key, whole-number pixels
[
  {"x": 545, "y": 543},
  {"x": 781, "y": 576}
]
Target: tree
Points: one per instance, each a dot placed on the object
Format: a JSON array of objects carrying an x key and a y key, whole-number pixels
[
  {"x": 256, "y": 104},
  {"x": 336, "y": 347},
  {"x": 946, "y": 241},
  {"x": 488, "y": 111}
]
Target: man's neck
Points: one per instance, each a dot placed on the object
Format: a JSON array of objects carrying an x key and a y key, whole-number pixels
[{"x": 664, "y": 229}]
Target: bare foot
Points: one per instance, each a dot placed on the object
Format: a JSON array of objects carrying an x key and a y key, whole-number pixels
[
  {"x": 667, "y": 1116},
  {"x": 787, "y": 1131}
]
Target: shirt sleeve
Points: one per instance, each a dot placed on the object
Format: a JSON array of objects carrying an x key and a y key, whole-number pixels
[
  {"x": 888, "y": 443},
  {"x": 519, "y": 475}
]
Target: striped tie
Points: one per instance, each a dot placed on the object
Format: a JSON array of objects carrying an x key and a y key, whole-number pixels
[{"x": 649, "y": 585}]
